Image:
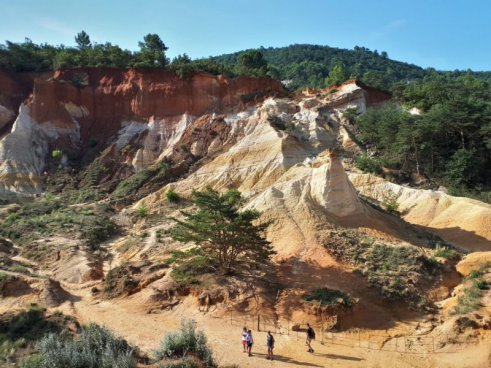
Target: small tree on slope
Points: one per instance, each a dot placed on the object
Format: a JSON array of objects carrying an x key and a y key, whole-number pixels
[{"x": 221, "y": 230}]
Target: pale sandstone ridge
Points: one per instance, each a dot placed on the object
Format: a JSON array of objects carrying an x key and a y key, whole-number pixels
[{"x": 462, "y": 221}]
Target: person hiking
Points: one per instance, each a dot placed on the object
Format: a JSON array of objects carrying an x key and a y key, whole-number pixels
[
  {"x": 270, "y": 344},
  {"x": 310, "y": 337},
  {"x": 244, "y": 339},
  {"x": 250, "y": 342}
]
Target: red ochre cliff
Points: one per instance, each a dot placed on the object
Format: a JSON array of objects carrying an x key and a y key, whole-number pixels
[{"x": 101, "y": 99}]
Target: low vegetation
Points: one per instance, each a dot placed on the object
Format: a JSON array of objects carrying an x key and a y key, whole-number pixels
[
  {"x": 20, "y": 332},
  {"x": 118, "y": 281},
  {"x": 469, "y": 298},
  {"x": 172, "y": 196},
  {"x": 186, "y": 344},
  {"x": 51, "y": 216},
  {"x": 94, "y": 347},
  {"x": 188, "y": 265},
  {"x": 329, "y": 297},
  {"x": 399, "y": 272}
]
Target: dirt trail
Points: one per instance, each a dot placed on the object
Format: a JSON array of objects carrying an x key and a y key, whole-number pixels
[{"x": 126, "y": 318}]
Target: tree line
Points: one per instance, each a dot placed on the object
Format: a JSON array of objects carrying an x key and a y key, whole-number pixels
[{"x": 447, "y": 139}]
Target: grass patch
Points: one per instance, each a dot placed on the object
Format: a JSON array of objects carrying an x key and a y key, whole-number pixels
[
  {"x": 329, "y": 297},
  {"x": 445, "y": 252},
  {"x": 469, "y": 299}
]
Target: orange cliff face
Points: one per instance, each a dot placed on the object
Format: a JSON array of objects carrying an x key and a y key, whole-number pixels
[{"x": 100, "y": 100}]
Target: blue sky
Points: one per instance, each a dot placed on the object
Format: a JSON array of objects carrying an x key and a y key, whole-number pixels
[{"x": 445, "y": 34}]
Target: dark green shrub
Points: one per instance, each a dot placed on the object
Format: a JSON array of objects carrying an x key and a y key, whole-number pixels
[
  {"x": 131, "y": 184},
  {"x": 329, "y": 297},
  {"x": 368, "y": 164},
  {"x": 445, "y": 252},
  {"x": 172, "y": 196}
]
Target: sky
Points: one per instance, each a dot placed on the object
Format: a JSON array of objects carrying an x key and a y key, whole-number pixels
[{"x": 443, "y": 34}]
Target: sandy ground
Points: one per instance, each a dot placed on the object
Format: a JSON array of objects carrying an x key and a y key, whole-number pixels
[{"x": 125, "y": 318}]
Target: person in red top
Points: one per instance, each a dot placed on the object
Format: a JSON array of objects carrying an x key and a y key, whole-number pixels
[{"x": 244, "y": 339}]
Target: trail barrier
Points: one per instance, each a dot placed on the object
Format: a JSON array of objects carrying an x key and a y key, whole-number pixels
[{"x": 407, "y": 344}]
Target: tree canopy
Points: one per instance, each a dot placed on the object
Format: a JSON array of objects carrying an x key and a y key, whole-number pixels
[{"x": 222, "y": 230}]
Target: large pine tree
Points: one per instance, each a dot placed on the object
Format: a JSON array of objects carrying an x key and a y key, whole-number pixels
[{"x": 219, "y": 228}]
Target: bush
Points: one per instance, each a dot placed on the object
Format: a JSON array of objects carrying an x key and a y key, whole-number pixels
[
  {"x": 131, "y": 184},
  {"x": 368, "y": 164},
  {"x": 186, "y": 342},
  {"x": 96, "y": 347},
  {"x": 445, "y": 252},
  {"x": 172, "y": 196},
  {"x": 141, "y": 211},
  {"x": 57, "y": 154},
  {"x": 389, "y": 202},
  {"x": 329, "y": 297}
]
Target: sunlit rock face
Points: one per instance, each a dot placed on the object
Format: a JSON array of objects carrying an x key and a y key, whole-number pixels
[{"x": 86, "y": 109}]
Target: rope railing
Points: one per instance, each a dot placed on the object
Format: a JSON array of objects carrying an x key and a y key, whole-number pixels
[{"x": 409, "y": 344}]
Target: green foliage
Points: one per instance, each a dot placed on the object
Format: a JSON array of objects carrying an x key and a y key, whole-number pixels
[
  {"x": 337, "y": 75},
  {"x": 188, "y": 265},
  {"x": 252, "y": 63},
  {"x": 368, "y": 164},
  {"x": 329, "y": 297},
  {"x": 172, "y": 196},
  {"x": 389, "y": 202},
  {"x": 57, "y": 154},
  {"x": 187, "y": 342},
  {"x": 446, "y": 142},
  {"x": 397, "y": 271},
  {"x": 82, "y": 40},
  {"x": 445, "y": 252},
  {"x": 141, "y": 211},
  {"x": 152, "y": 52},
  {"x": 131, "y": 184},
  {"x": 95, "y": 347},
  {"x": 309, "y": 65},
  {"x": 48, "y": 217},
  {"x": 222, "y": 231}
]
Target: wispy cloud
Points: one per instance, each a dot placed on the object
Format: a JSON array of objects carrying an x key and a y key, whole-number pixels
[
  {"x": 54, "y": 25},
  {"x": 388, "y": 28}
]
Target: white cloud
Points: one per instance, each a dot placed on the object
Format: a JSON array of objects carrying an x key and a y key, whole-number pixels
[
  {"x": 388, "y": 28},
  {"x": 54, "y": 25}
]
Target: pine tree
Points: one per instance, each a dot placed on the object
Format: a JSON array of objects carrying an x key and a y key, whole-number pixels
[
  {"x": 83, "y": 40},
  {"x": 219, "y": 228}
]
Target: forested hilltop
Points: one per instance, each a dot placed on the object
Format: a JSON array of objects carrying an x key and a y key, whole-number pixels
[{"x": 447, "y": 142}]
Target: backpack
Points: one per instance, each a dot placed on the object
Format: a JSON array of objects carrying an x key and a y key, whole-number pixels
[{"x": 311, "y": 333}]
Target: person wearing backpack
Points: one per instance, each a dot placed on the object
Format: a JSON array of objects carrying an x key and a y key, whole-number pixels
[
  {"x": 270, "y": 344},
  {"x": 310, "y": 337}
]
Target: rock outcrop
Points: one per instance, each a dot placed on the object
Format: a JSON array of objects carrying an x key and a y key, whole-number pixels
[{"x": 85, "y": 110}]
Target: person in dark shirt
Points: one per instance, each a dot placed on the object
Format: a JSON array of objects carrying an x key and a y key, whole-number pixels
[
  {"x": 270, "y": 344},
  {"x": 310, "y": 337}
]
